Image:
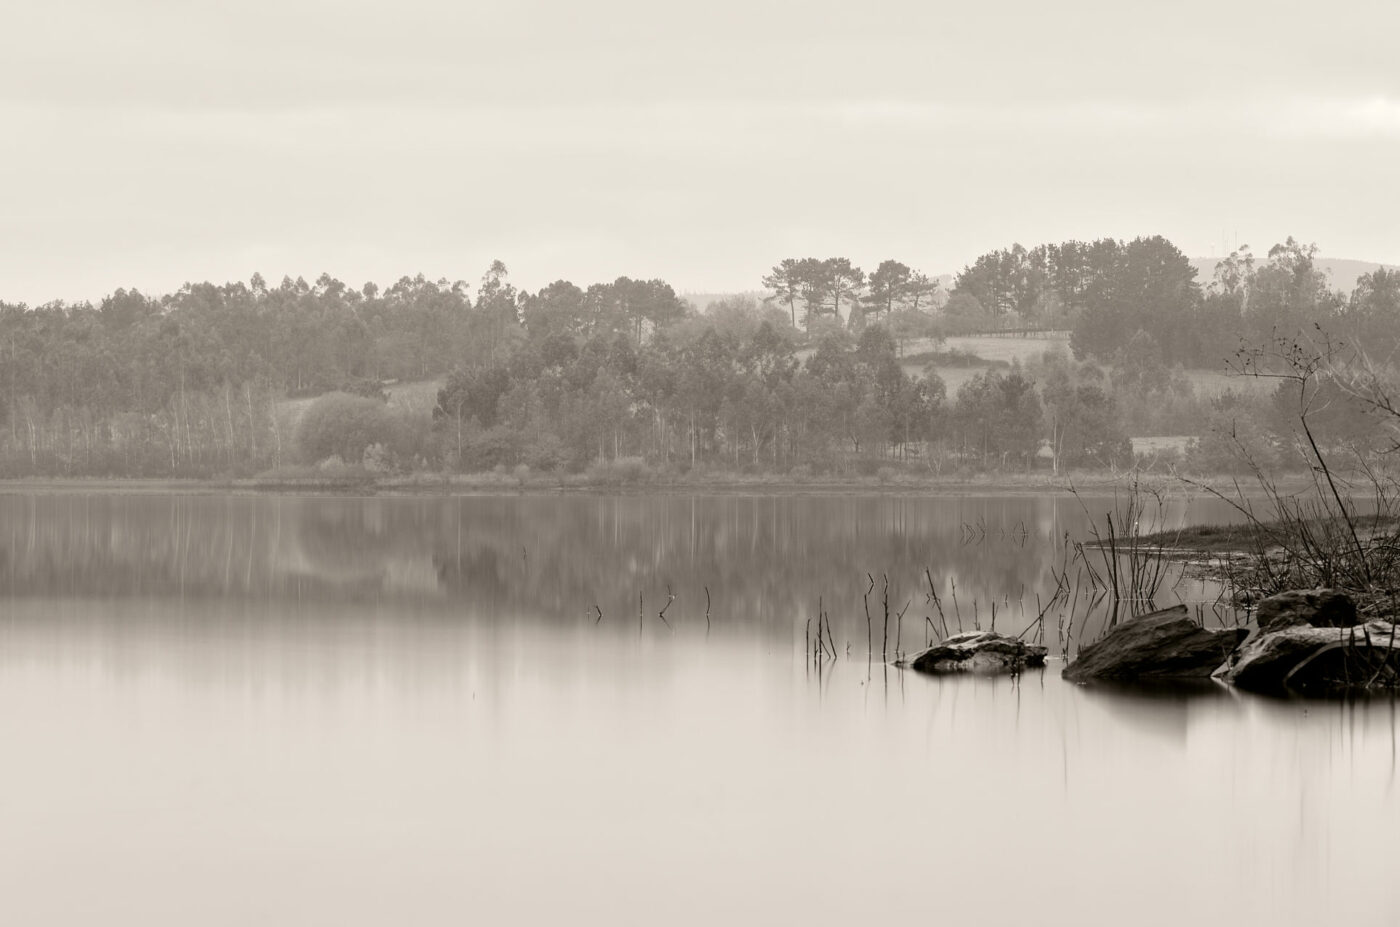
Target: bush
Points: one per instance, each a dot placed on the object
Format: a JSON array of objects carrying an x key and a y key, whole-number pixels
[
  {"x": 631, "y": 470},
  {"x": 413, "y": 437},
  {"x": 332, "y": 466},
  {"x": 343, "y": 426},
  {"x": 376, "y": 459},
  {"x": 624, "y": 471},
  {"x": 545, "y": 453},
  {"x": 867, "y": 466},
  {"x": 954, "y": 357},
  {"x": 366, "y": 387},
  {"x": 489, "y": 449}
]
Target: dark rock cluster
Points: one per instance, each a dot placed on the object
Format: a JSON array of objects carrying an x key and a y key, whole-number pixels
[
  {"x": 1163, "y": 645},
  {"x": 1307, "y": 642},
  {"x": 979, "y": 651}
]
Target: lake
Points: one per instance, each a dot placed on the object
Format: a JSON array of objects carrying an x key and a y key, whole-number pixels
[{"x": 232, "y": 709}]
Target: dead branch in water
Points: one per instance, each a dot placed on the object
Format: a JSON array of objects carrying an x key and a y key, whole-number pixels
[
  {"x": 885, "y": 640},
  {"x": 933, "y": 594},
  {"x": 869, "y": 641},
  {"x": 899, "y": 628},
  {"x": 824, "y": 617},
  {"x": 670, "y": 597},
  {"x": 957, "y": 613}
]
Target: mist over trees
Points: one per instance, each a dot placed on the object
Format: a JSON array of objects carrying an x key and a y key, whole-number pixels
[{"x": 837, "y": 370}]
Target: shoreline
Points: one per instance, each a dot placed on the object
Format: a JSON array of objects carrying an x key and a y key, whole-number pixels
[{"x": 719, "y": 484}]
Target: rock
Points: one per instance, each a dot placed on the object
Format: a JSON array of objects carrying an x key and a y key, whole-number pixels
[
  {"x": 1318, "y": 608},
  {"x": 1308, "y": 660},
  {"x": 1163, "y": 645},
  {"x": 981, "y": 652}
]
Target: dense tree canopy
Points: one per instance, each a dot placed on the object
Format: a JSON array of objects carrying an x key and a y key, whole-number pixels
[{"x": 219, "y": 378}]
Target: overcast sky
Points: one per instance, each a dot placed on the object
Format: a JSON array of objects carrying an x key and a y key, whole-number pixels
[{"x": 145, "y": 143}]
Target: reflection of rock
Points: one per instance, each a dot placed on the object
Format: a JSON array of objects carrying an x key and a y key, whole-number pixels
[
  {"x": 1319, "y": 608},
  {"x": 1305, "y": 659},
  {"x": 981, "y": 652},
  {"x": 1163, "y": 645},
  {"x": 1162, "y": 708}
]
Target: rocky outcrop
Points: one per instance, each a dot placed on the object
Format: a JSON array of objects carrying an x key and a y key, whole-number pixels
[
  {"x": 1309, "y": 660},
  {"x": 1163, "y": 645},
  {"x": 1318, "y": 608},
  {"x": 980, "y": 652},
  {"x": 1309, "y": 642}
]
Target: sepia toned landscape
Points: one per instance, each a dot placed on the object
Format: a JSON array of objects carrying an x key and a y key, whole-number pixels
[{"x": 759, "y": 463}]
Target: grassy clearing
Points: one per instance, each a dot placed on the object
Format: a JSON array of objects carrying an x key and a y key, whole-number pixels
[
  {"x": 992, "y": 352},
  {"x": 420, "y": 396},
  {"x": 1007, "y": 350}
]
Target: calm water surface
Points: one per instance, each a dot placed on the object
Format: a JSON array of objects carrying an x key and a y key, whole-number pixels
[{"x": 234, "y": 710}]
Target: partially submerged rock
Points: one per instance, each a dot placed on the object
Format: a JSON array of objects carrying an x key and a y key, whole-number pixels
[
  {"x": 1163, "y": 645},
  {"x": 1310, "y": 642},
  {"x": 981, "y": 652},
  {"x": 1318, "y": 608},
  {"x": 1315, "y": 660}
]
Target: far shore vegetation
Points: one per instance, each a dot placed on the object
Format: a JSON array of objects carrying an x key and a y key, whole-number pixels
[
  {"x": 1071, "y": 362},
  {"x": 302, "y": 479}
]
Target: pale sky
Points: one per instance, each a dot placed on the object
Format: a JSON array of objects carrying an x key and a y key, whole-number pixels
[{"x": 149, "y": 142}]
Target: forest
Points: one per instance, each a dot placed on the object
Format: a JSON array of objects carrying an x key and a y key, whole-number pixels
[{"x": 832, "y": 371}]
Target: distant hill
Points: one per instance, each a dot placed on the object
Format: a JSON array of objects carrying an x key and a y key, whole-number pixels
[{"x": 1343, "y": 272}]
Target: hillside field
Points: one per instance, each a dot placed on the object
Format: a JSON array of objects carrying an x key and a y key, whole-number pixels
[{"x": 995, "y": 351}]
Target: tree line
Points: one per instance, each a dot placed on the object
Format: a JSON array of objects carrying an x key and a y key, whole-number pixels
[
  {"x": 192, "y": 382},
  {"x": 737, "y": 392},
  {"x": 221, "y": 379},
  {"x": 820, "y": 288},
  {"x": 1109, "y": 293}
]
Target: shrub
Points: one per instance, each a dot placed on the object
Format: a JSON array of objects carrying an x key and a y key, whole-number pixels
[
  {"x": 365, "y": 386},
  {"x": 491, "y": 449},
  {"x": 376, "y": 458},
  {"x": 623, "y": 471},
  {"x": 546, "y": 453},
  {"x": 341, "y": 425},
  {"x": 413, "y": 436},
  {"x": 632, "y": 469},
  {"x": 867, "y": 466}
]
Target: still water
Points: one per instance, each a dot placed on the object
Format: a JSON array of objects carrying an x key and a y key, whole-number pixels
[{"x": 235, "y": 709}]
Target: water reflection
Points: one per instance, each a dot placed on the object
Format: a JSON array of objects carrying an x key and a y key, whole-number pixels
[
  {"x": 1164, "y": 709},
  {"x": 235, "y": 710},
  {"x": 764, "y": 561}
]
